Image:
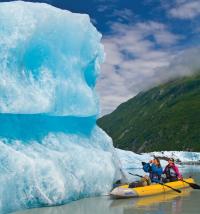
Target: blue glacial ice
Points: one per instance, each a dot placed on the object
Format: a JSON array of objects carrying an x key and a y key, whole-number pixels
[
  {"x": 49, "y": 59},
  {"x": 51, "y": 151}
]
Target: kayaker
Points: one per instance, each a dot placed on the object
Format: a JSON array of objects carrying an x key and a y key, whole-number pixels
[
  {"x": 172, "y": 172},
  {"x": 155, "y": 170}
]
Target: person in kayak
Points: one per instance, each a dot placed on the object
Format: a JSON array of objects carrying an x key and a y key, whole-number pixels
[
  {"x": 155, "y": 170},
  {"x": 171, "y": 171}
]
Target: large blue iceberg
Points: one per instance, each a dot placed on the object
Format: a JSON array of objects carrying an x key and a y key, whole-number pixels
[{"x": 51, "y": 151}]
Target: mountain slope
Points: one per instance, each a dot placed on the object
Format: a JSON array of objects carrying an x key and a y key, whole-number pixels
[{"x": 166, "y": 117}]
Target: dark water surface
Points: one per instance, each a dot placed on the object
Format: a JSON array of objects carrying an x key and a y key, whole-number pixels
[{"x": 188, "y": 202}]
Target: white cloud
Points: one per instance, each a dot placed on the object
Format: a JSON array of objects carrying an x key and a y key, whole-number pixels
[
  {"x": 132, "y": 59},
  {"x": 186, "y": 62},
  {"x": 135, "y": 62},
  {"x": 123, "y": 15},
  {"x": 103, "y": 8},
  {"x": 160, "y": 32},
  {"x": 105, "y": 5},
  {"x": 185, "y": 9}
]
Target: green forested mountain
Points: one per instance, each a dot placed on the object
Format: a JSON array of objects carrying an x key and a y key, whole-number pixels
[{"x": 166, "y": 117}]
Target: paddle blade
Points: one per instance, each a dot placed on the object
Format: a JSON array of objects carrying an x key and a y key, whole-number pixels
[
  {"x": 177, "y": 190},
  {"x": 194, "y": 186}
]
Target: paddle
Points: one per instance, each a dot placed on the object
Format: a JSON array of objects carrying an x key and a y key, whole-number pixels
[
  {"x": 193, "y": 185},
  {"x": 176, "y": 190}
]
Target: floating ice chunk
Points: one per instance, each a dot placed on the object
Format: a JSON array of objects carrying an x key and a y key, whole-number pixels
[{"x": 51, "y": 151}]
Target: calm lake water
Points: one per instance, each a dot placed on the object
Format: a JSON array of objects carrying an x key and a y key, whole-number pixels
[{"x": 188, "y": 202}]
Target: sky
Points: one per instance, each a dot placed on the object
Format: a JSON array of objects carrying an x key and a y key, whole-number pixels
[{"x": 147, "y": 42}]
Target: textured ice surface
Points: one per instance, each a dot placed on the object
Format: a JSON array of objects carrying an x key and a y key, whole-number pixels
[
  {"x": 55, "y": 169},
  {"x": 51, "y": 151},
  {"x": 184, "y": 157},
  {"x": 49, "y": 59}
]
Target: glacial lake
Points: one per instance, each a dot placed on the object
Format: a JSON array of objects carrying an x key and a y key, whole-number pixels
[{"x": 188, "y": 202}]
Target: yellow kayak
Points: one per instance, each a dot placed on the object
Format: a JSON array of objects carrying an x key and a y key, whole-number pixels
[
  {"x": 148, "y": 201},
  {"x": 125, "y": 192}
]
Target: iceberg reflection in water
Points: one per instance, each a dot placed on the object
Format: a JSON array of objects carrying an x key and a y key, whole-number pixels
[{"x": 105, "y": 205}]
